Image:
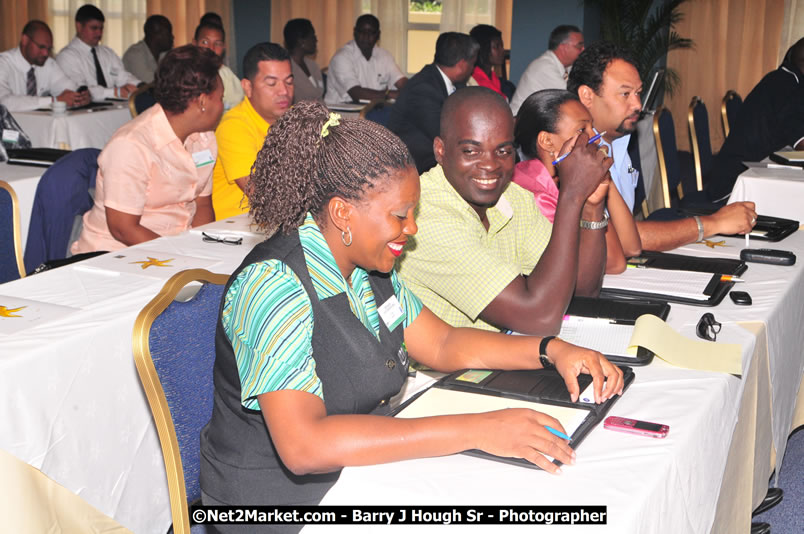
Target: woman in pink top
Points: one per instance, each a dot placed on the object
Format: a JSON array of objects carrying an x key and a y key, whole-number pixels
[
  {"x": 155, "y": 173},
  {"x": 490, "y": 55},
  {"x": 546, "y": 120}
]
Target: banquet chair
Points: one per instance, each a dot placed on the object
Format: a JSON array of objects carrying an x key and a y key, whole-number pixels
[
  {"x": 141, "y": 99},
  {"x": 174, "y": 351},
  {"x": 63, "y": 195},
  {"x": 728, "y": 110},
  {"x": 11, "y": 266},
  {"x": 699, "y": 140},
  {"x": 664, "y": 133}
]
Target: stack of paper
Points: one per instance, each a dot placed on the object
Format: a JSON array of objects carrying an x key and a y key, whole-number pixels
[{"x": 683, "y": 284}]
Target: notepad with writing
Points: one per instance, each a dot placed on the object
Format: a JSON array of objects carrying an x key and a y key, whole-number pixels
[{"x": 485, "y": 390}]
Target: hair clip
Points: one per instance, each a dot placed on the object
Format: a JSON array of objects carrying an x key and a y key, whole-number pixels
[{"x": 333, "y": 120}]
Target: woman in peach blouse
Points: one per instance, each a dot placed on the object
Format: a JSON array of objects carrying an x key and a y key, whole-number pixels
[{"x": 155, "y": 173}]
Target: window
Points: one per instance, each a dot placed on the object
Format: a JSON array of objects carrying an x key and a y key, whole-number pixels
[{"x": 424, "y": 21}]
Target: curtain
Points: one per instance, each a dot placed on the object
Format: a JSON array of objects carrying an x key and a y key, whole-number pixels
[
  {"x": 463, "y": 15},
  {"x": 123, "y": 26},
  {"x": 333, "y": 21},
  {"x": 186, "y": 15},
  {"x": 16, "y": 13},
  {"x": 736, "y": 43},
  {"x": 793, "y": 26}
]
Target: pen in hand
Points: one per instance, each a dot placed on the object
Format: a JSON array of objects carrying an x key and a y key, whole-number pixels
[{"x": 592, "y": 139}]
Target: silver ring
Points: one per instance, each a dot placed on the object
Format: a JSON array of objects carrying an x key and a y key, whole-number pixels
[{"x": 754, "y": 220}]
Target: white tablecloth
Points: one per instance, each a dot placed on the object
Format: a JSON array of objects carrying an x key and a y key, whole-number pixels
[
  {"x": 668, "y": 485},
  {"x": 75, "y": 129},
  {"x": 24, "y": 180},
  {"x": 776, "y": 192},
  {"x": 74, "y": 407},
  {"x": 75, "y": 410}
]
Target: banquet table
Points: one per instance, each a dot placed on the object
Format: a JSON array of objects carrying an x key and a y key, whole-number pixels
[
  {"x": 726, "y": 434},
  {"x": 85, "y": 128},
  {"x": 777, "y": 191},
  {"x": 23, "y": 179},
  {"x": 75, "y": 410}
]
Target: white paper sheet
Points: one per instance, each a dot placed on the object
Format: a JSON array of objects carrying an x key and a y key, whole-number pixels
[{"x": 18, "y": 314}]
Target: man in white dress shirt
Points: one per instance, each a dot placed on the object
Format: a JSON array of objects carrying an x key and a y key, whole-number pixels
[
  {"x": 360, "y": 70},
  {"x": 30, "y": 78},
  {"x": 91, "y": 64},
  {"x": 142, "y": 58},
  {"x": 551, "y": 69}
]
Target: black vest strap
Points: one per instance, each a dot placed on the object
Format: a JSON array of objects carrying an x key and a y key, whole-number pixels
[{"x": 358, "y": 372}]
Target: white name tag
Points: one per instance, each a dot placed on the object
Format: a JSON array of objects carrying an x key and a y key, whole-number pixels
[
  {"x": 11, "y": 136},
  {"x": 202, "y": 158},
  {"x": 391, "y": 313}
]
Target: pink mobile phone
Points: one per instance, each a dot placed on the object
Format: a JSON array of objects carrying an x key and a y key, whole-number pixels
[{"x": 634, "y": 426}]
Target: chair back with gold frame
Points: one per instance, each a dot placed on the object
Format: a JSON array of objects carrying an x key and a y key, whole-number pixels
[
  {"x": 728, "y": 110},
  {"x": 698, "y": 120},
  {"x": 141, "y": 99},
  {"x": 174, "y": 352},
  {"x": 664, "y": 133},
  {"x": 11, "y": 265}
]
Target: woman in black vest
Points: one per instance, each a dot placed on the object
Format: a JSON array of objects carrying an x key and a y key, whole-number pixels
[{"x": 307, "y": 361}]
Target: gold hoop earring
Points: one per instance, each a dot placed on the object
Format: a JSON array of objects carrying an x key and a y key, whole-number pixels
[{"x": 343, "y": 237}]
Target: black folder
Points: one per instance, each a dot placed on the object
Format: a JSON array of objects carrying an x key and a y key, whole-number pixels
[
  {"x": 539, "y": 385},
  {"x": 716, "y": 290},
  {"x": 37, "y": 157},
  {"x": 623, "y": 312},
  {"x": 766, "y": 228}
]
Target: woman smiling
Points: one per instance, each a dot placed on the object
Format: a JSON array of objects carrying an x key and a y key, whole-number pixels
[{"x": 316, "y": 328}]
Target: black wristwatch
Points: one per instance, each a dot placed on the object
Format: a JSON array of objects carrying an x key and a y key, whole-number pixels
[{"x": 546, "y": 363}]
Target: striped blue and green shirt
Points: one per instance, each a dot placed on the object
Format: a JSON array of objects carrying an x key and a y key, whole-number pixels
[{"x": 268, "y": 318}]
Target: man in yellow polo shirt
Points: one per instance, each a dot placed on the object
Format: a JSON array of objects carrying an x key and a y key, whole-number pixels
[{"x": 268, "y": 85}]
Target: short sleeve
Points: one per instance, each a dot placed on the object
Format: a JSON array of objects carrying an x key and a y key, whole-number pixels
[
  {"x": 237, "y": 148},
  {"x": 411, "y": 304},
  {"x": 345, "y": 74},
  {"x": 268, "y": 319}
]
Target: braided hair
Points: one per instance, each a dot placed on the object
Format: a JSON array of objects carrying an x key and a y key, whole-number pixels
[{"x": 299, "y": 170}]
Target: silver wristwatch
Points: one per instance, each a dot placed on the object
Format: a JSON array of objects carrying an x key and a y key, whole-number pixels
[{"x": 595, "y": 225}]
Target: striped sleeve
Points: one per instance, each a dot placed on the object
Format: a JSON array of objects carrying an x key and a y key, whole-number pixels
[
  {"x": 411, "y": 304},
  {"x": 268, "y": 319}
]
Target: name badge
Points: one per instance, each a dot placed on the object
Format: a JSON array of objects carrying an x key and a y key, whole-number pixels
[
  {"x": 391, "y": 313},
  {"x": 202, "y": 158},
  {"x": 11, "y": 136}
]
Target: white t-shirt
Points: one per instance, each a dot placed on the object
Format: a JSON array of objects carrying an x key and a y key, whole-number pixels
[{"x": 349, "y": 68}]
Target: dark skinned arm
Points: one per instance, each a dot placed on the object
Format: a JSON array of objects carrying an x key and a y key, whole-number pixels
[
  {"x": 361, "y": 93},
  {"x": 125, "y": 227},
  {"x": 536, "y": 304},
  {"x": 203, "y": 211}
]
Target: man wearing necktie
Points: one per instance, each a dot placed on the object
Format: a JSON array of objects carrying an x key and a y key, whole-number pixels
[
  {"x": 91, "y": 64},
  {"x": 416, "y": 115},
  {"x": 30, "y": 78}
]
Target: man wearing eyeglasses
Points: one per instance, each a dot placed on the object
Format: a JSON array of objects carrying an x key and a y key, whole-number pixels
[
  {"x": 551, "y": 69},
  {"x": 30, "y": 78}
]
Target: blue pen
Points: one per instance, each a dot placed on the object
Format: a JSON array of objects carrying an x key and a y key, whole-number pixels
[
  {"x": 558, "y": 433},
  {"x": 591, "y": 140}
]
